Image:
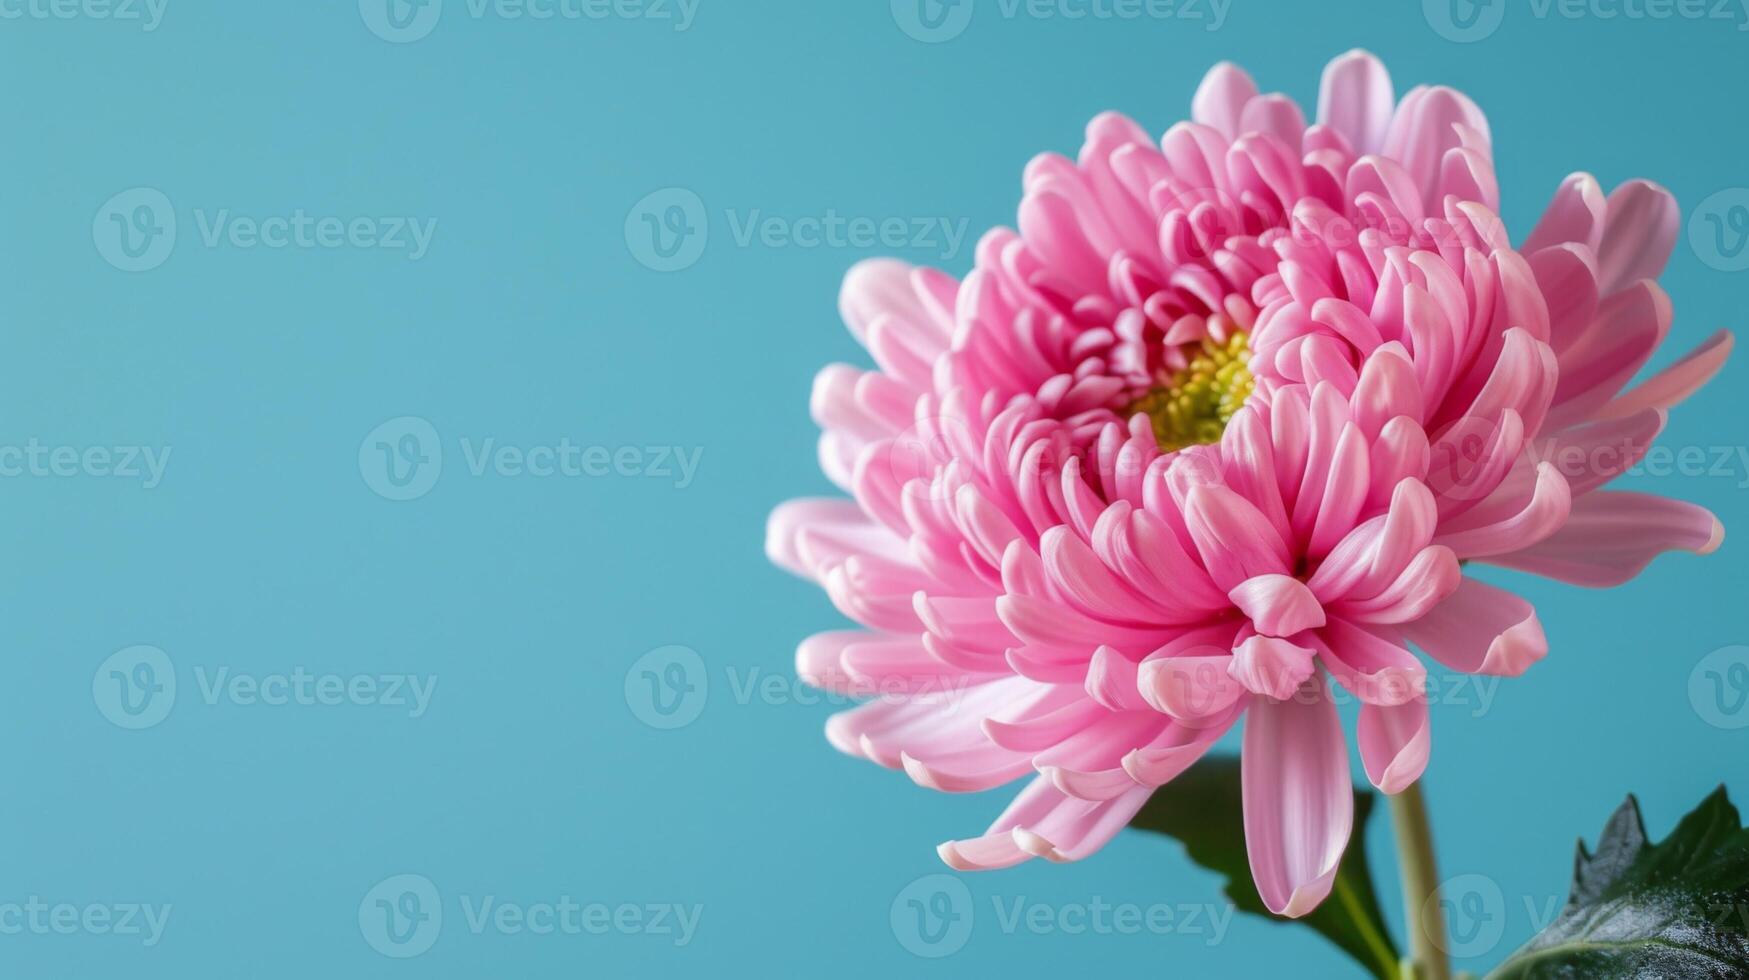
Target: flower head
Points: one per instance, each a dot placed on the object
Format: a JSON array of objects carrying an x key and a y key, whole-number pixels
[{"x": 1222, "y": 420}]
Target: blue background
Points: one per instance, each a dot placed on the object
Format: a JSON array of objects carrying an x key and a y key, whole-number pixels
[{"x": 531, "y": 320}]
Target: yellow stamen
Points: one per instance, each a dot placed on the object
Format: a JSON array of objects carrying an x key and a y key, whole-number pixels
[{"x": 1194, "y": 406}]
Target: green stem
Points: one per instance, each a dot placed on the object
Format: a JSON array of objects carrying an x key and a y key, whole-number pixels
[{"x": 1423, "y": 913}]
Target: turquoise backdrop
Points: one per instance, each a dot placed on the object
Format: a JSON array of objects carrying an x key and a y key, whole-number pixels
[{"x": 365, "y": 467}]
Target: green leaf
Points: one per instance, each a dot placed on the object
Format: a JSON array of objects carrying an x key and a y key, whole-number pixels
[
  {"x": 1202, "y": 808},
  {"x": 1674, "y": 909}
]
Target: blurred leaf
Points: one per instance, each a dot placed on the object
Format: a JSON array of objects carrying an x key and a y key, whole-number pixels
[
  {"x": 1202, "y": 809},
  {"x": 1674, "y": 909}
]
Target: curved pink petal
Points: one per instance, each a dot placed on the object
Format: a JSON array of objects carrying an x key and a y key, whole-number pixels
[
  {"x": 1355, "y": 99},
  {"x": 1613, "y": 535},
  {"x": 1271, "y": 667},
  {"x": 1395, "y": 742},
  {"x": 1480, "y": 629},
  {"x": 1299, "y": 803},
  {"x": 1220, "y": 99},
  {"x": 1639, "y": 232},
  {"x": 1676, "y": 383},
  {"x": 1278, "y": 605}
]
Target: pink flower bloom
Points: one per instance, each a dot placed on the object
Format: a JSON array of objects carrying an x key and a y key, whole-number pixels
[{"x": 1223, "y": 419}]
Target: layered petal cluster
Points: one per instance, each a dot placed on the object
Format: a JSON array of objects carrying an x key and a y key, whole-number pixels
[{"x": 1219, "y": 424}]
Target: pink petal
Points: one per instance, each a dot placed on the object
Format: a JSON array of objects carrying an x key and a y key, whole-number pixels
[
  {"x": 879, "y": 288},
  {"x": 1299, "y": 803},
  {"x": 1235, "y": 540},
  {"x": 1431, "y": 576},
  {"x": 1271, "y": 667},
  {"x": 811, "y": 535},
  {"x": 1612, "y": 536},
  {"x": 1395, "y": 743},
  {"x": 1480, "y": 629},
  {"x": 1355, "y": 99},
  {"x": 1378, "y": 670},
  {"x": 1487, "y": 531},
  {"x": 1220, "y": 99},
  {"x": 1278, "y": 605},
  {"x": 1576, "y": 214},
  {"x": 1638, "y": 236},
  {"x": 1070, "y": 835},
  {"x": 1274, "y": 115},
  {"x": 1567, "y": 276},
  {"x": 1630, "y": 325},
  {"x": 1176, "y": 750},
  {"x": 1675, "y": 383},
  {"x": 997, "y": 849},
  {"x": 967, "y": 771},
  {"x": 1190, "y": 689}
]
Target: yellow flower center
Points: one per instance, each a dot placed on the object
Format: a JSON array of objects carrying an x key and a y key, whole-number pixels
[{"x": 1194, "y": 406}]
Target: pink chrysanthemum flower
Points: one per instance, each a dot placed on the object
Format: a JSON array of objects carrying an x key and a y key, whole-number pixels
[{"x": 1223, "y": 419}]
